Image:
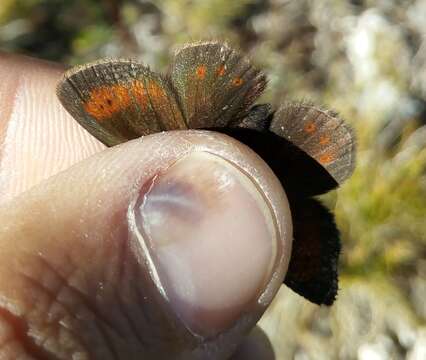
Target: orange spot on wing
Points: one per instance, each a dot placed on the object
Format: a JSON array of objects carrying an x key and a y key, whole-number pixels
[
  {"x": 326, "y": 158},
  {"x": 324, "y": 140},
  {"x": 165, "y": 106},
  {"x": 220, "y": 70},
  {"x": 158, "y": 96},
  {"x": 106, "y": 101},
  {"x": 201, "y": 72},
  {"x": 237, "y": 81},
  {"x": 139, "y": 92},
  {"x": 310, "y": 127},
  {"x": 156, "y": 92}
]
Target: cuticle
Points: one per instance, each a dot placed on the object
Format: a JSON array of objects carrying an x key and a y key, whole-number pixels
[{"x": 140, "y": 246}]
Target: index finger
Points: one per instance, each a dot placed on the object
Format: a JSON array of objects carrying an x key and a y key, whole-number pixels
[{"x": 38, "y": 138}]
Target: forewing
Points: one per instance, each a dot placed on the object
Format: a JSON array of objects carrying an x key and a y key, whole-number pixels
[
  {"x": 119, "y": 100},
  {"x": 321, "y": 134},
  {"x": 313, "y": 268},
  {"x": 216, "y": 85}
]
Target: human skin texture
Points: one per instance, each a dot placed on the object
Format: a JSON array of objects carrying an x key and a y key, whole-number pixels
[{"x": 168, "y": 246}]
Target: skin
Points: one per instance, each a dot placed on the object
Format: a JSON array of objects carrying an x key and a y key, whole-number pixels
[{"x": 65, "y": 234}]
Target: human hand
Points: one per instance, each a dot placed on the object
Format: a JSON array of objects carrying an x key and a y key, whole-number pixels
[{"x": 170, "y": 246}]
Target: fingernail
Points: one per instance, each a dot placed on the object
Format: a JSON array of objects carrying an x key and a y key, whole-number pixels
[{"x": 212, "y": 240}]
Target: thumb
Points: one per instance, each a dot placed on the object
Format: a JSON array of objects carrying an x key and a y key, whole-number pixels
[{"x": 170, "y": 246}]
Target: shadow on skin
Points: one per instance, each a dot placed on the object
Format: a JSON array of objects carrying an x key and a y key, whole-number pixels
[{"x": 255, "y": 346}]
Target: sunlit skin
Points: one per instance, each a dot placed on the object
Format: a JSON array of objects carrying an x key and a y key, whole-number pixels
[
  {"x": 148, "y": 241},
  {"x": 85, "y": 200}
]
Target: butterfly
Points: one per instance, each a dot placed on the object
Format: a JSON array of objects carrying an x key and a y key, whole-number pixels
[{"x": 211, "y": 86}]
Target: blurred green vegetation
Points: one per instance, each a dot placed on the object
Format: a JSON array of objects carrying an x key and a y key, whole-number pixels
[{"x": 366, "y": 59}]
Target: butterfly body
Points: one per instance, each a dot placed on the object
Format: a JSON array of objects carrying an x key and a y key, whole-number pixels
[{"x": 211, "y": 86}]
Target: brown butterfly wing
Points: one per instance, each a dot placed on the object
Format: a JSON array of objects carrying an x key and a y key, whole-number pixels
[
  {"x": 119, "y": 100},
  {"x": 216, "y": 85},
  {"x": 299, "y": 173},
  {"x": 321, "y": 134}
]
